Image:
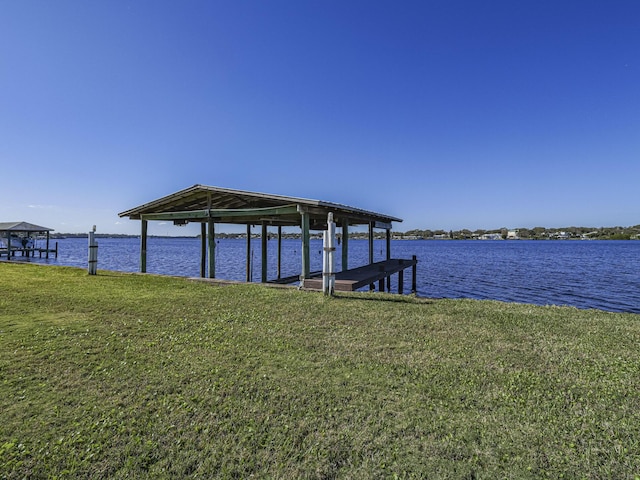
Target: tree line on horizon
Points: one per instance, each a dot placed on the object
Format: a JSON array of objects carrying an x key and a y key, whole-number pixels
[{"x": 536, "y": 233}]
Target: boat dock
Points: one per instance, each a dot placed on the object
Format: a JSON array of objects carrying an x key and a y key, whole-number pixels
[
  {"x": 21, "y": 237},
  {"x": 210, "y": 206}
]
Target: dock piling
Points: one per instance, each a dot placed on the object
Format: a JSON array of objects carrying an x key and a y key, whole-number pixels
[
  {"x": 414, "y": 275},
  {"x": 93, "y": 252}
]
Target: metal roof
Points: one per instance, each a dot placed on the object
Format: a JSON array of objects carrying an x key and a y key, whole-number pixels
[
  {"x": 216, "y": 200},
  {"x": 22, "y": 227}
]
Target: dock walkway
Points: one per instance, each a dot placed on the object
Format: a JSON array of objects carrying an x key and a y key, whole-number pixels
[
  {"x": 29, "y": 252},
  {"x": 355, "y": 278}
]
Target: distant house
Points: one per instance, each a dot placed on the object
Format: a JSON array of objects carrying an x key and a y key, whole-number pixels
[
  {"x": 490, "y": 236},
  {"x": 407, "y": 237},
  {"x": 513, "y": 235}
]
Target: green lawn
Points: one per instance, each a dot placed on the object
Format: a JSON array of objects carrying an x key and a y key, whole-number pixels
[{"x": 132, "y": 376}]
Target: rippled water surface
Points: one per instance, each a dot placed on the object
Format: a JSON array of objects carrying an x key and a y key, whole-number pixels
[{"x": 584, "y": 274}]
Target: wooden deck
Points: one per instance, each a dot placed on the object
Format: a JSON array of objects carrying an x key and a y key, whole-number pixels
[
  {"x": 294, "y": 278},
  {"x": 29, "y": 252},
  {"x": 355, "y": 278}
]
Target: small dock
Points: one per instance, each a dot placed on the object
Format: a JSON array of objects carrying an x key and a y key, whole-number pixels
[
  {"x": 379, "y": 272},
  {"x": 29, "y": 252},
  {"x": 23, "y": 238}
]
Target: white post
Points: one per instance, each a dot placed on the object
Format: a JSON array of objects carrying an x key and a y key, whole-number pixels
[
  {"x": 93, "y": 252},
  {"x": 328, "y": 273},
  {"x": 325, "y": 262},
  {"x": 332, "y": 250}
]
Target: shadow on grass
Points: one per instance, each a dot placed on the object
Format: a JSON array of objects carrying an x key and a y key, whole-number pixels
[{"x": 383, "y": 297}]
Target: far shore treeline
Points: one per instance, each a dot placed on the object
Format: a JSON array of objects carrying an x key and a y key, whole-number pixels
[{"x": 536, "y": 233}]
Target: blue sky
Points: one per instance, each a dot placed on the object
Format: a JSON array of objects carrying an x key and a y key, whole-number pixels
[{"x": 449, "y": 114}]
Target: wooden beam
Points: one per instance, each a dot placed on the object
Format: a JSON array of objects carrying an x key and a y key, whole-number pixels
[
  {"x": 143, "y": 247},
  {"x": 354, "y": 217},
  {"x": 222, "y": 213},
  {"x": 211, "y": 237},
  {"x": 187, "y": 215},
  {"x": 384, "y": 225}
]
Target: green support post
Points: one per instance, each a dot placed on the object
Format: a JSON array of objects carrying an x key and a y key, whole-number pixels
[
  {"x": 264, "y": 238},
  {"x": 388, "y": 257},
  {"x": 306, "y": 258},
  {"x": 345, "y": 244},
  {"x": 414, "y": 275},
  {"x": 248, "y": 276},
  {"x": 371, "y": 286},
  {"x": 211, "y": 240},
  {"x": 370, "y": 243},
  {"x": 143, "y": 247},
  {"x": 203, "y": 250},
  {"x": 279, "y": 271}
]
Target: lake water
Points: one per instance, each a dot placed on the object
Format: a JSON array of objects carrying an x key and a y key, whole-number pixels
[{"x": 585, "y": 274}]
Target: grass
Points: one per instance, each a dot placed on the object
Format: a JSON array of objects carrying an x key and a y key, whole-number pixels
[{"x": 131, "y": 376}]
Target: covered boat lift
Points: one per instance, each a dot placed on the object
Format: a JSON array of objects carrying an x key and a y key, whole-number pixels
[
  {"x": 210, "y": 205},
  {"x": 16, "y": 237}
]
